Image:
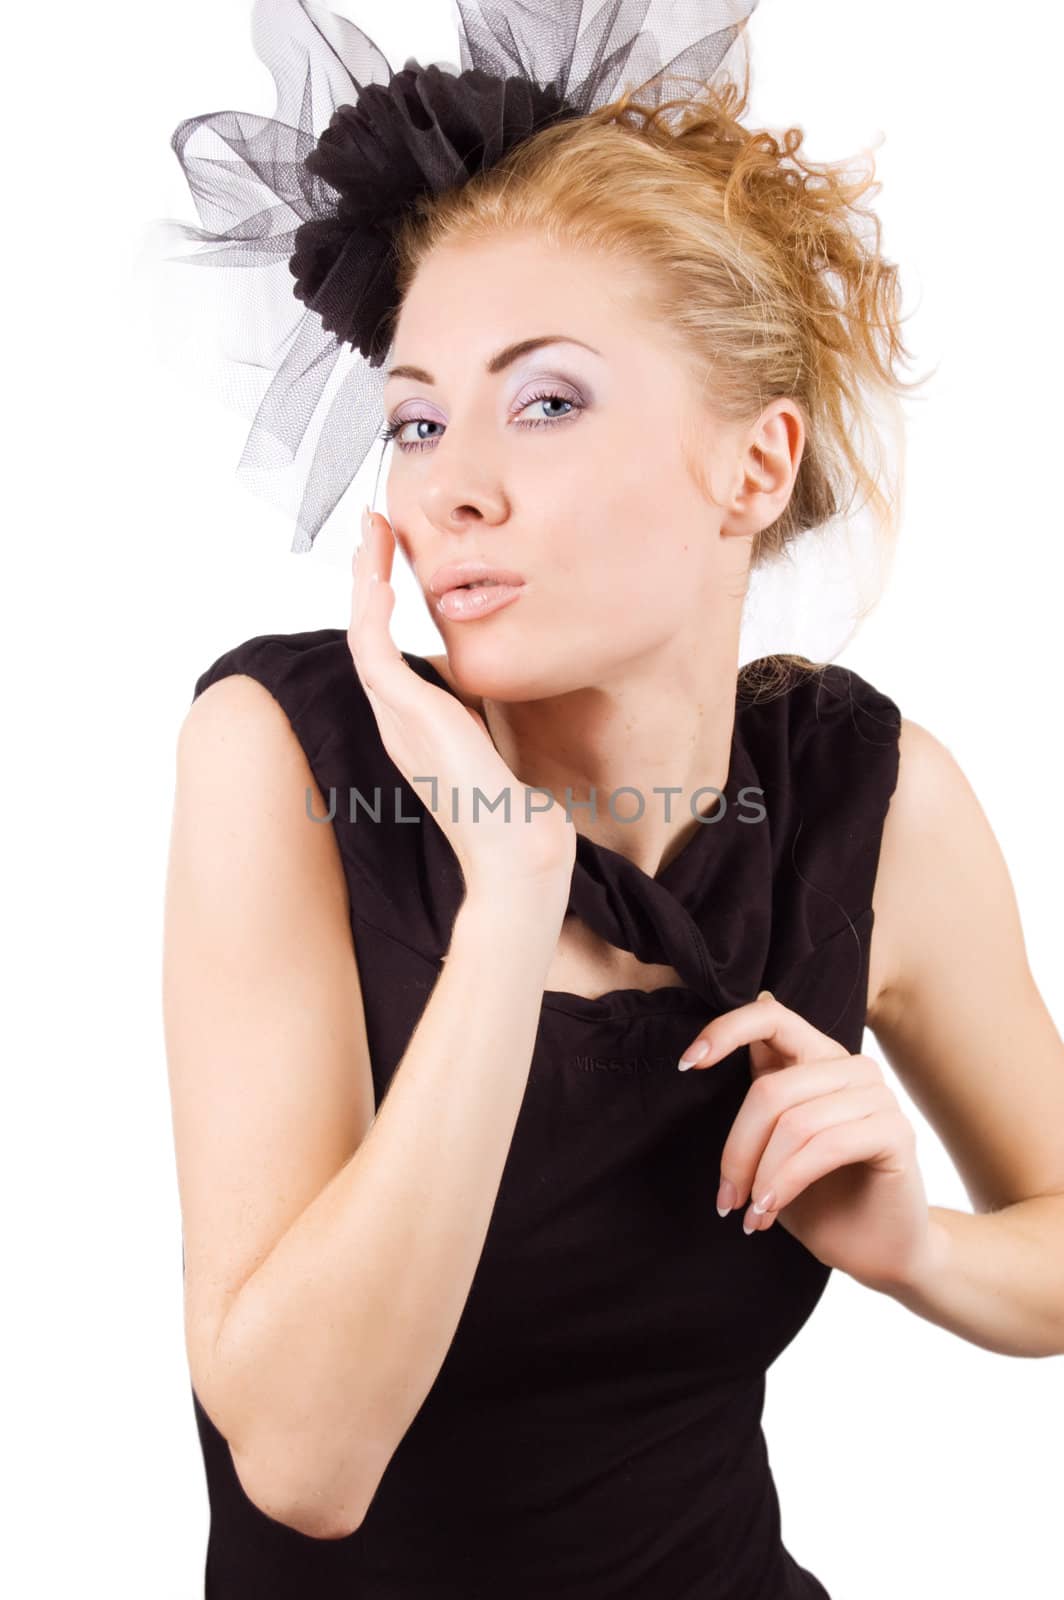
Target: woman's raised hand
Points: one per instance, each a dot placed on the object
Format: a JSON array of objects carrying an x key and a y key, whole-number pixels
[
  {"x": 430, "y": 734},
  {"x": 821, "y": 1142}
]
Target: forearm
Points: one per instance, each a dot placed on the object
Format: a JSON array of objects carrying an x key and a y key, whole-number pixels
[
  {"x": 332, "y": 1345},
  {"x": 995, "y": 1278}
]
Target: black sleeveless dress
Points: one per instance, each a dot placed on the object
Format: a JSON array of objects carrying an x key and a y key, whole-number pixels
[{"x": 595, "y": 1430}]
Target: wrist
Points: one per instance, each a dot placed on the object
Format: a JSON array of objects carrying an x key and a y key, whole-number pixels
[
  {"x": 926, "y": 1267},
  {"x": 529, "y": 900},
  {"x": 544, "y": 886}
]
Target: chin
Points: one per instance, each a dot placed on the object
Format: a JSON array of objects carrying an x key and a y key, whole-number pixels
[{"x": 498, "y": 666}]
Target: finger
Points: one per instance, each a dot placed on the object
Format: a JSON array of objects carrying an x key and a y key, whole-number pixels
[
  {"x": 878, "y": 1138},
  {"x": 753, "y": 1165},
  {"x": 377, "y": 659},
  {"x": 377, "y": 552},
  {"x": 780, "y": 1097},
  {"x": 361, "y": 566},
  {"x": 358, "y": 582},
  {"x": 380, "y": 665},
  {"x": 381, "y": 531},
  {"x": 764, "y": 1020}
]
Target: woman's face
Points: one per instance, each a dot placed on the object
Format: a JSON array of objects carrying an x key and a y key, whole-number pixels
[{"x": 564, "y": 465}]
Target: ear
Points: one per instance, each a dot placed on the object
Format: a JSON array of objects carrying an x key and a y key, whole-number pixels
[{"x": 765, "y": 470}]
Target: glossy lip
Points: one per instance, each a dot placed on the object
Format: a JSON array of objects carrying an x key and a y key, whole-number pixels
[{"x": 458, "y": 573}]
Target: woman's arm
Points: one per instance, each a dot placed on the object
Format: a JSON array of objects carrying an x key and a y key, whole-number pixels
[
  {"x": 962, "y": 1023},
  {"x": 328, "y": 1255}
]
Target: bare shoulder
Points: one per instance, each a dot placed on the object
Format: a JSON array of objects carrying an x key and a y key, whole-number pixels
[
  {"x": 938, "y": 858},
  {"x": 957, "y": 1011},
  {"x": 932, "y": 800},
  {"x": 239, "y": 712}
]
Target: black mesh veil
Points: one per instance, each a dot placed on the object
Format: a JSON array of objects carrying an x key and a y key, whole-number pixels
[{"x": 309, "y": 310}]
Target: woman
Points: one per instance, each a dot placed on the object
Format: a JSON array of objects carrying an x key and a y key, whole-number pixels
[{"x": 480, "y": 1290}]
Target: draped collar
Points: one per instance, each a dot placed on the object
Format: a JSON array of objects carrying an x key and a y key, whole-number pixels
[{"x": 708, "y": 912}]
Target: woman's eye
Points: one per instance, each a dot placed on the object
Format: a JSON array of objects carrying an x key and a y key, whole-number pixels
[{"x": 394, "y": 430}]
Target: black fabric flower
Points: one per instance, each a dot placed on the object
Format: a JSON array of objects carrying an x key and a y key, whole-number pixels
[{"x": 424, "y": 132}]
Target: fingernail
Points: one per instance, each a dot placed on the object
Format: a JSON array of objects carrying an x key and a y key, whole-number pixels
[
  {"x": 698, "y": 1052},
  {"x": 767, "y": 1201},
  {"x": 766, "y": 994},
  {"x": 726, "y": 1197}
]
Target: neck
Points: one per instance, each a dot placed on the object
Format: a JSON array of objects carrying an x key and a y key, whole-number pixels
[{"x": 656, "y": 725}]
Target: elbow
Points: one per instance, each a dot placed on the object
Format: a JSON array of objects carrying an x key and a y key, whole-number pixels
[{"x": 291, "y": 1497}]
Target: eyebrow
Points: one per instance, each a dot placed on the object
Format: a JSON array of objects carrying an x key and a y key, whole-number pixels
[{"x": 499, "y": 362}]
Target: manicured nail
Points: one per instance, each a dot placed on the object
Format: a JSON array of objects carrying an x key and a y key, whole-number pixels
[
  {"x": 698, "y": 1052},
  {"x": 726, "y": 1197},
  {"x": 766, "y": 1203}
]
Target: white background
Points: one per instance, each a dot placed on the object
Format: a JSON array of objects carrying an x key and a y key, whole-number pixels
[{"x": 906, "y": 1458}]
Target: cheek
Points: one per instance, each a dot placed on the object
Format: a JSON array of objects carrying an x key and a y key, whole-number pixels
[{"x": 638, "y": 581}]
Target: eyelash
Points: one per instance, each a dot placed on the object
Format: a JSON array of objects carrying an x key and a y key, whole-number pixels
[{"x": 391, "y": 429}]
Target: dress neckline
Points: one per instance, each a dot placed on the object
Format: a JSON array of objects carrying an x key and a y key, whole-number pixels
[{"x": 719, "y": 873}]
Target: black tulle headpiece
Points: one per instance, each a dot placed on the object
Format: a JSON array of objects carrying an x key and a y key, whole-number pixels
[
  {"x": 318, "y": 210},
  {"x": 376, "y": 158}
]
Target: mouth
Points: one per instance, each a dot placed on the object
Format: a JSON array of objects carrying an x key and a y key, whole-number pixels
[
  {"x": 476, "y": 597},
  {"x": 472, "y": 575}
]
